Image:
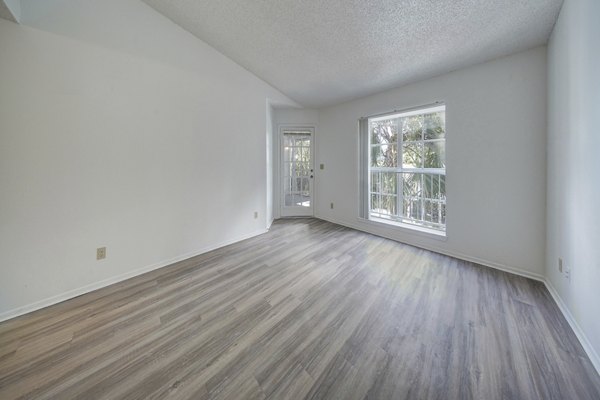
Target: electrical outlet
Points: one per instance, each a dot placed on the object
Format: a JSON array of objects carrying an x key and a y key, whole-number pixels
[
  {"x": 331, "y": 206},
  {"x": 100, "y": 253},
  {"x": 568, "y": 274},
  {"x": 560, "y": 264},
  {"x": 255, "y": 214}
]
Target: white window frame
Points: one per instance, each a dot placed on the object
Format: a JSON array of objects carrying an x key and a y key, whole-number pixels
[{"x": 366, "y": 174}]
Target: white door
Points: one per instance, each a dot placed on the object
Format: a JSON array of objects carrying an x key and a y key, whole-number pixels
[{"x": 297, "y": 172}]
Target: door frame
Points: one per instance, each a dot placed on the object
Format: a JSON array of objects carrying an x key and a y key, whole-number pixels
[{"x": 281, "y": 196}]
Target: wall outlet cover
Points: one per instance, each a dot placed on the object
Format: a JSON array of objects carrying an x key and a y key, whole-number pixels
[
  {"x": 560, "y": 264},
  {"x": 100, "y": 253}
]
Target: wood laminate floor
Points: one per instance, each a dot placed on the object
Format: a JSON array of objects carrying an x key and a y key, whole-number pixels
[{"x": 310, "y": 310}]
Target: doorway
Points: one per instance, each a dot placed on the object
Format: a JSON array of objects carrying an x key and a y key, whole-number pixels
[{"x": 297, "y": 174}]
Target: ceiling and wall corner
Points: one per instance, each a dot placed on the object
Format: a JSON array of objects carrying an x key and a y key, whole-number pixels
[
  {"x": 323, "y": 53},
  {"x": 10, "y": 10}
]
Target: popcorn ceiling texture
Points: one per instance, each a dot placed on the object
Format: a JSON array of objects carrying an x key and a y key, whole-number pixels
[{"x": 325, "y": 52}]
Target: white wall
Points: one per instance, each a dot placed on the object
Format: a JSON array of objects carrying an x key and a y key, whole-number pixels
[
  {"x": 574, "y": 167},
  {"x": 290, "y": 116},
  {"x": 270, "y": 166},
  {"x": 15, "y": 8},
  {"x": 121, "y": 130},
  {"x": 496, "y": 128}
]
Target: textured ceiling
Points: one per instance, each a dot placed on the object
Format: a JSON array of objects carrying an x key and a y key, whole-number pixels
[{"x": 323, "y": 52}]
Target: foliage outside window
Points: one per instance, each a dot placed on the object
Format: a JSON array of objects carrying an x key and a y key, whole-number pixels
[{"x": 407, "y": 168}]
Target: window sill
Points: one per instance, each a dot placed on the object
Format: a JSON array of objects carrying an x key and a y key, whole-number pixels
[{"x": 406, "y": 228}]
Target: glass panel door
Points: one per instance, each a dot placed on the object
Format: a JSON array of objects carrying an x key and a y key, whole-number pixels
[{"x": 297, "y": 174}]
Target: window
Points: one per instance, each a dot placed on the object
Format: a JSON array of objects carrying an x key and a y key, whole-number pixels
[{"x": 404, "y": 180}]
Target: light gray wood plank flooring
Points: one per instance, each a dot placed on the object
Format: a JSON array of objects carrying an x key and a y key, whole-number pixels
[{"x": 310, "y": 310}]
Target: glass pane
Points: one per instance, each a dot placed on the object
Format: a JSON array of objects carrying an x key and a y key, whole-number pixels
[
  {"x": 388, "y": 205},
  {"x": 443, "y": 221},
  {"x": 375, "y": 182},
  {"x": 306, "y": 168},
  {"x": 411, "y": 186},
  {"x": 435, "y": 212},
  {"x": 412, "y": 128},
  {"x": 433, "y": 186},
  {"x": 384, "y": 132},
  {"x": 412, "y": 155},
  {"x": 303, "y": 200},
  {"x": 375, "y": 203},
  {"x": 435, "y": 125},
  {"x": 427, "y": 210},
  {"x": 435, "y": 154},
  {"x": 287, "y": 154},
  {"x": 389, "y": 183},
  {"x": 384, "y": 155},
  {"x": 305, "y": 186},
  {"x": 412, "y": 208},
  {"x": 296, "y": 154},
  {"x": 300, "y": 169},
  {"x": 302, "y": 154},
  {"x": 442, "y": 186},
  {"x": 377, "y": 157},
  {"x": 430, "y": 186}
]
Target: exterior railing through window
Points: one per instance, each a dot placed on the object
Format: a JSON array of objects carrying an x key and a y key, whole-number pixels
[{"x": 409, "y": 197}]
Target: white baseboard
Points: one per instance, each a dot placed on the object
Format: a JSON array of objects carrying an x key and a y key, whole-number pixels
[
  {"x": 465, "y": 257},
  {"x": 585, "y": 343},
  {"x": 115, "y": 279}
]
